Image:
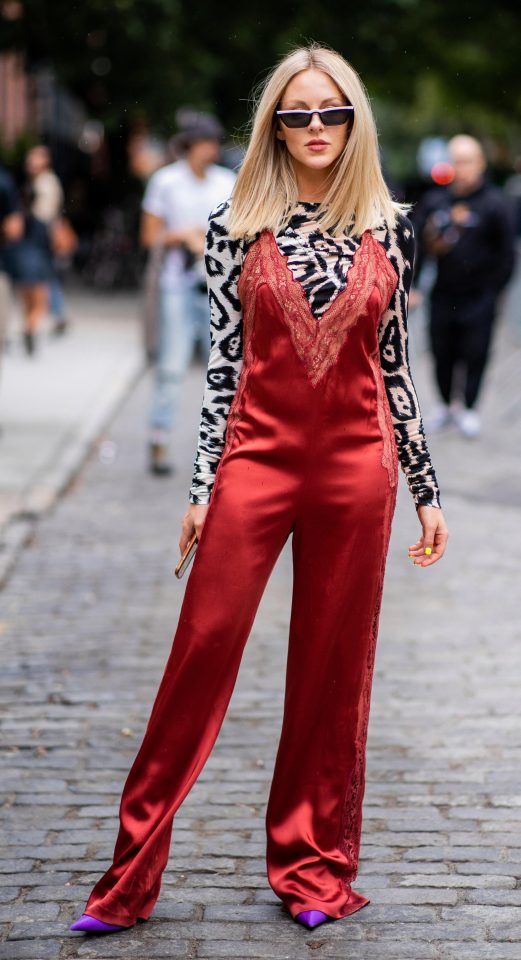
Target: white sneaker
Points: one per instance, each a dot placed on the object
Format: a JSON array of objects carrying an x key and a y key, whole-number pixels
[
  {"x": 441, "y": 417},
  {"x": 469, "y": 423}
]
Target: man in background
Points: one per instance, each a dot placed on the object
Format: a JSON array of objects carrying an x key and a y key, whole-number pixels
[
  {"x": 176, "y": 205},
  {"x": 467, "y": 229}
]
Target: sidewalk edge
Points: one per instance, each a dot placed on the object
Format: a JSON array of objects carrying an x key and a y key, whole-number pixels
[{"x": 18, "y": 531}]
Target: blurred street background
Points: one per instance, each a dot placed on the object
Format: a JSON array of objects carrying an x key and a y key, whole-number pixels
[{"x": 89, "y": 524}]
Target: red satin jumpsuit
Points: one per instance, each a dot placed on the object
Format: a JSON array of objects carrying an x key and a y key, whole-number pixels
[{"x": 309, "y": 451}]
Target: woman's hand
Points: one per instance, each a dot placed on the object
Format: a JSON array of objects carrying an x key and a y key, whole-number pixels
[
  {"x": 193, "y": 520},
  {"x": 431, "y": 545}
]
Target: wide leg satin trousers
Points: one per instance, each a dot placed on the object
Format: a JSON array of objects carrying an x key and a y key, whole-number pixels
[{"x": 310, "y": 454}]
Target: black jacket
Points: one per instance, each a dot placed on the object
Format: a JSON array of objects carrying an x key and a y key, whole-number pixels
[{"x": 471, "y": 238}]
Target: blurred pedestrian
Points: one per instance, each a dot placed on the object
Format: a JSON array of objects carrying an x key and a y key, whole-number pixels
[
  {"x": 466, "y": 227},
  {"x": 11, "y": 229},
  {"x": 46, "y": 205},
  {"x": 30, "y": 263},
  {"x": 176, "y": 205}
]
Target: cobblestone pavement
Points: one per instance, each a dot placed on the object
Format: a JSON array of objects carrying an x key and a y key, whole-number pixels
[{"x": 87, "y": 620}]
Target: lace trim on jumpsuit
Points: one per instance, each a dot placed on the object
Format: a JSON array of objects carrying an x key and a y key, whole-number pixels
[
  {"x": 386, "y": 281},
  {"x": 351, "y": 828},
  {"x": 318, "y": 344}
]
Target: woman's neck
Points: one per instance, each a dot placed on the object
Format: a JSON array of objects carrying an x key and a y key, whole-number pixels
[{"x": 311, "y": 184}]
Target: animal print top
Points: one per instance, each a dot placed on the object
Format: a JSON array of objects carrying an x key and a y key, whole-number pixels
[{"x": 319, "y": 261}]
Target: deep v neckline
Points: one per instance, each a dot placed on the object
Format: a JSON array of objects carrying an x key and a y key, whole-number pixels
[
  {"x": 316, "y": 342},
  {"x": 347, "y": 288}
]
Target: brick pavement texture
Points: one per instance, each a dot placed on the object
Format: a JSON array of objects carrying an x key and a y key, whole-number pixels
[{"x": 87, "y": 620}]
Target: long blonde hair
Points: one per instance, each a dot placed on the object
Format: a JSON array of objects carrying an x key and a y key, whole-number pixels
[{"x": 265, "y": 191}]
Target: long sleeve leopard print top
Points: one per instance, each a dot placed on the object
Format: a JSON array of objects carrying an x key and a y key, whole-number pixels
[{"x": 320, "y": 262}]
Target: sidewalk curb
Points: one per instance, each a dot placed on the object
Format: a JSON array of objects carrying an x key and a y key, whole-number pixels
[{"x": 65, "y": 464}]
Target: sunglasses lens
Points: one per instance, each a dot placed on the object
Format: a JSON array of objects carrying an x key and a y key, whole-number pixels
[
  {"x": 333, "y": 118},
  {"x": 296, "y": 119}
]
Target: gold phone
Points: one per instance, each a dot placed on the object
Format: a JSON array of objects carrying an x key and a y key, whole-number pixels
[{"x": 186, "y": 557}]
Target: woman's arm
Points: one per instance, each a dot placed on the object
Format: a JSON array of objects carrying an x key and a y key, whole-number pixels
[
  {"x": 405, "y": 410},
  {"x": 223, "y": 258},
  {"x": 394, "y": 356}
]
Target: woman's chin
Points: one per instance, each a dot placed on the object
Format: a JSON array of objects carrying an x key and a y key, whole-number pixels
[{"x": 316, "y": 161}]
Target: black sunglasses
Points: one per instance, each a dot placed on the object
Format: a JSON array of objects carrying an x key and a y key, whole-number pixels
[{"x": 330, "y": 117}]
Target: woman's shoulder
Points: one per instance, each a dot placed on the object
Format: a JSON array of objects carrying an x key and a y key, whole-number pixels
[
  {"x": 218, "y": 239},
  {"x": 401, "y": 231},
  {"x": 218, "y": 222},
  {"x": 403, "y": 227},
  {"x": 218, "y": 235},
  {"x": 219, "y": 215},
  {"x": 396, "y": 238}
]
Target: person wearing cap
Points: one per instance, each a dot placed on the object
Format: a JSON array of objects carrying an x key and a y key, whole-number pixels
[{"x": 175, "y": 209}]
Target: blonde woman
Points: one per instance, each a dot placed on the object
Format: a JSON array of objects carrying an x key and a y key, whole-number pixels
[{"x": 308, "y": 408}]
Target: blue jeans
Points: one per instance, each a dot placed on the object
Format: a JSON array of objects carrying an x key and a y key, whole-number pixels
[
  {"x": 56, "y": 302},
  {"x": 184, "y": 317}
]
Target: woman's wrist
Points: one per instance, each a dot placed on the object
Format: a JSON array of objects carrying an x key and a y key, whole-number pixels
[{"x": 199, "y": 500}]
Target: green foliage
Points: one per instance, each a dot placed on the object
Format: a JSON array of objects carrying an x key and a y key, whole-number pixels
[{"x": 429, "y": 66}]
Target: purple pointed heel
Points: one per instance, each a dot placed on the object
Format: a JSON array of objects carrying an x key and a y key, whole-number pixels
[
  {"x": 91, "y": 925},
  {"x": 311, "y": 918}
]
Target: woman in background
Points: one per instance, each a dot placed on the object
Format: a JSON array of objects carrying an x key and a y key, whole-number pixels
[{"x": 308, "y": 408}]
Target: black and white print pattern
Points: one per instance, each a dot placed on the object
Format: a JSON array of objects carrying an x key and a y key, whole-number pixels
[
  {"x": 316, "y": 259},
  {"x": 319, "y": 261}
]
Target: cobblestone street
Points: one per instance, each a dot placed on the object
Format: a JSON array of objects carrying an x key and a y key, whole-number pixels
[{"x": 87, "y": 619}]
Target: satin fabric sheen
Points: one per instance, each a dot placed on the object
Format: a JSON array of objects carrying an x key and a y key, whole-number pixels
[{"x": 309, "y": 452}]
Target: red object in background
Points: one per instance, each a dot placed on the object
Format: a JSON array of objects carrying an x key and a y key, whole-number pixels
[{"x": 442, "y": 172}]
